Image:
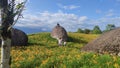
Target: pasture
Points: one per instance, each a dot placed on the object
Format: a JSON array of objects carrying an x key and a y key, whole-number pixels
[{"x": 43, "y": 52}]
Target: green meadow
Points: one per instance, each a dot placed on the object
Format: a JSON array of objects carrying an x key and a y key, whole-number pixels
[{"x": 43, "y": 52}]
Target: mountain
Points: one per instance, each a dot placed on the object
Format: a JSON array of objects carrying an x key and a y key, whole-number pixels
[{"x": 32, "y": 30}]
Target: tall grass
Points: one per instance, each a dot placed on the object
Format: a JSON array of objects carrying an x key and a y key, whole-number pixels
[{"x": 43, "y": 52}]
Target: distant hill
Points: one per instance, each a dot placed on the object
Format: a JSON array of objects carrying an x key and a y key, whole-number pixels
[{"x": 32, "y": 30}]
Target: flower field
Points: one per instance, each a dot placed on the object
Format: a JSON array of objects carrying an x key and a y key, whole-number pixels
[{"x": 43, "y": 52}]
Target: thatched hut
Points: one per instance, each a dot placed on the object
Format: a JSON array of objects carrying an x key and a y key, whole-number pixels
[
  {"x": 60, "y": 34},
  {"x": 108, "y": 42},
  {"x": 19, "y": 38}
]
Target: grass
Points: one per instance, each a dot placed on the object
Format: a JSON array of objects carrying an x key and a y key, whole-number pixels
[{"x": 43, "y": 52}]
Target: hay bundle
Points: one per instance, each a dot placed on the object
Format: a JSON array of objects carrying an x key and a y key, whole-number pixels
[
  {"x": 108, "y": 42},
  {"x": 19, "y": 38},
  {"x": 60, "y": 34}
]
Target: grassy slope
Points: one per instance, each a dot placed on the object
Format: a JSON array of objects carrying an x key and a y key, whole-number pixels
[{"x": 44, "y": 52}]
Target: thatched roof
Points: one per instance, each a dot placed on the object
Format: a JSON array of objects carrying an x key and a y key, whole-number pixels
[
  {"x": 108, "y": 42},
  {"x": 19, "y": 38},
  {"x": 59, "y": 32}
]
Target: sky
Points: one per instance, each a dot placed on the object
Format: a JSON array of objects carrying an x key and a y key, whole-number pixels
[{"x": 43, "y": 15}]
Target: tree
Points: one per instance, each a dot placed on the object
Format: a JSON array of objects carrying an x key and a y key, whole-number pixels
[
  {"x": 87, "y": 31},
  {"x": 110, "y": 27},
  {"x": 96, "y": 30},
  {"x": 9, "y": 11},
  {"x": 80, "y": 30}
]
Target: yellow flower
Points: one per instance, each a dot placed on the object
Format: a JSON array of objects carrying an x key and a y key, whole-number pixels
[
  {"x": 78, "y": 56},
  {"x": 114, "y": 58},
  {"x": 64, "y": 66},
  {"x": 94, "y": 56},
  {"x": 116, "y": 65},
  {"x": 44, "y": 61},
  {"x": 94, "y": 61},
  {"x": 108, "y": 63}
]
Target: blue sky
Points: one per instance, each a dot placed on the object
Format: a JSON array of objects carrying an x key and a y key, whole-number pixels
[{"x": 43, "y": 15}]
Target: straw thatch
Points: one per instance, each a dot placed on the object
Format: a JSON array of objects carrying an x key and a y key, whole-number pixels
[
  {"x": 108, "y": 42},
  {"x": 59, "y": 32}
]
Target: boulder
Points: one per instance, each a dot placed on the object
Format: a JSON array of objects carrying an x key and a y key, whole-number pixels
[{"x": 19, "y": 38}]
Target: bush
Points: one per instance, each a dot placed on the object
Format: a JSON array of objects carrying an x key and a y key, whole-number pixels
[{"x": 96, "y": 30}]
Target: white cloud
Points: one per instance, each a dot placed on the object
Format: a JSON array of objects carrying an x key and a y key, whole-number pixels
[
  {"x": 118, "y": 0},
  {"x": 68, "y": 7},
  {"x": 110, "y": 13},
  {"x": 49, "y": 20},
  {"x": 83, "y": 18},
  {"x": 98, "y": 11},
  {"x": 71, "y": 22},
  {"x": 19, "y": 1}
]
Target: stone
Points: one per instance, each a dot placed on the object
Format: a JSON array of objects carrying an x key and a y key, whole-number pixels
[{"x": 19, "y": 38}]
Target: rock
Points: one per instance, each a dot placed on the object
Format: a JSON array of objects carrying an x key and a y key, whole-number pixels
[
  {"x": 19, "y": 38},
  {"x": 108, "y": 42},
  {"x": 60, "y": 34}
]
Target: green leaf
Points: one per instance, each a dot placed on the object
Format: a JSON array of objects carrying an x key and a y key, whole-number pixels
[{"x": 19, "y": 5}]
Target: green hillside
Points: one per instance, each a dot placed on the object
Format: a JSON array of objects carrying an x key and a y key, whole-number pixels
[{"x": 43, "y": 52}]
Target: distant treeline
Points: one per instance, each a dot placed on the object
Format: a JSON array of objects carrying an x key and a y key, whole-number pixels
[{"x": 96, "y": 29}]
